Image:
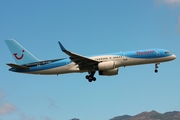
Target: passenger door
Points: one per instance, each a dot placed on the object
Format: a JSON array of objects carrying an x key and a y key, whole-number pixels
[
  {"x": 124, "y": 57},
  {"x": 157, "y": 53}
]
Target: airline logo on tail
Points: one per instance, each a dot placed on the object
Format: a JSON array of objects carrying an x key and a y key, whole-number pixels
[{"x": 18, "y": 58}]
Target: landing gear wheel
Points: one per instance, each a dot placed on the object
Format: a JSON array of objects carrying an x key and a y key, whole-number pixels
[
  {"x": 90, "y": 80},
  {"x": 156, "y": 67},
  {"x": 87, "y": 76},
  {"x": 94, "y": 79},
  {"x": 91, "y": 77}
]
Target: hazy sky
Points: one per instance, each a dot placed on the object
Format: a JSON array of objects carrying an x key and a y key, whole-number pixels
[{"x": 87, "y": 28}]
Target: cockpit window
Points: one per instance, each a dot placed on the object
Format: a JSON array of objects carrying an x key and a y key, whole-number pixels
[{"x": 167, "y": 52}]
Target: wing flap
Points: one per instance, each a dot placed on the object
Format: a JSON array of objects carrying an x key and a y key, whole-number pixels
[{"x": 17, "y": 66}]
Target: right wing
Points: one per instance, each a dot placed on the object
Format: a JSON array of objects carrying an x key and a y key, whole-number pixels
[{"x": 78, "y": 59}]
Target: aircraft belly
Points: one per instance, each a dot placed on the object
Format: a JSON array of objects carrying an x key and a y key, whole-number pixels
[
  {"x": 58, "y": 70},
  {"x": 45, "y": 72}
]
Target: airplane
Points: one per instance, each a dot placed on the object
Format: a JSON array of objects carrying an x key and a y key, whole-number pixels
[{"x": 106, "y": 64}]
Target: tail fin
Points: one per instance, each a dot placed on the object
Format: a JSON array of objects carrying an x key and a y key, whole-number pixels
[{"x": 20, "y": 54}]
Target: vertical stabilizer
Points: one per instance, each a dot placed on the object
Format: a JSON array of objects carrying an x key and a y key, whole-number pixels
[{"x": 19, "y": 53}]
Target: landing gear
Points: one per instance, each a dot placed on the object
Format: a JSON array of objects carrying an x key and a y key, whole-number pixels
[
  {"x": 91, "y": 77},
  {"x": 156, "y": 71},
  {"x": 156, "y": 67}
]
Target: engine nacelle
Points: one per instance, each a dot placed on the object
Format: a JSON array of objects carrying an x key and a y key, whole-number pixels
[
  {"x": 109, "y": 65},
  {"x": 109, "y": 72}
]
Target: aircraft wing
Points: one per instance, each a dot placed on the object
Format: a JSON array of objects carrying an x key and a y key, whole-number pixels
[
  {"x": 17, "y": 66},
  {"x": 78, "y": 59}
]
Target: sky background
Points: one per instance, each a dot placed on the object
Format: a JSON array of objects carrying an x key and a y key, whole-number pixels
[{"x": 89, "y": 27}]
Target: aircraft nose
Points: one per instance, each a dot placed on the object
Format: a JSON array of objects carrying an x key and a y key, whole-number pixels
[{"x": 173, "y": 56}]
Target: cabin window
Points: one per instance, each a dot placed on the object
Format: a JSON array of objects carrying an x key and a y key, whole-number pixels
[{"x": 167, "y": 52}]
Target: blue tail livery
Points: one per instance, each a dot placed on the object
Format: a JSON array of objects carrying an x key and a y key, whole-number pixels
[{"x": 105, "y": 64}]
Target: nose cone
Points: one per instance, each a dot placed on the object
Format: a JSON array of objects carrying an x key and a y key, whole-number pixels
[{"x": 173, "y": 56}]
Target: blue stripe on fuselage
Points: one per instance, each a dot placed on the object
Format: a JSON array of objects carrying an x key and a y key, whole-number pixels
[
  {"x": 148, "y": 54},
  {"x": 143, "y": 54},
  {"x": 51, "y": 65}
]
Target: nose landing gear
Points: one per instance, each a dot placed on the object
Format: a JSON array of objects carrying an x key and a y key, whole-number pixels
[
  {"x": 156, "y": 68},
  {"x": 91, "y": 77}
]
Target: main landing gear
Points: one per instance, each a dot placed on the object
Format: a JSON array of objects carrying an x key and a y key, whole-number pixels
[
  {"x": 91, "y": 77},
  {"x": 156, "y": 68}
]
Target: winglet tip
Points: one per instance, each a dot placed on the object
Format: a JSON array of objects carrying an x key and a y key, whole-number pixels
[{"x": 61, "y": 46}]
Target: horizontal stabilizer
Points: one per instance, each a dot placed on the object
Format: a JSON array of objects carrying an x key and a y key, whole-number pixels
[{"x": 17, "y": 66}]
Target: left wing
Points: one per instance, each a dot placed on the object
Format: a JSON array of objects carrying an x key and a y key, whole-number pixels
[{"x": 78, "y": 59}]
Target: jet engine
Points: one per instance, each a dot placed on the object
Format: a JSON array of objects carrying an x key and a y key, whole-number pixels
[
  {"x": 109, "y": 72},
  {"x": 109, "y": 65}
]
